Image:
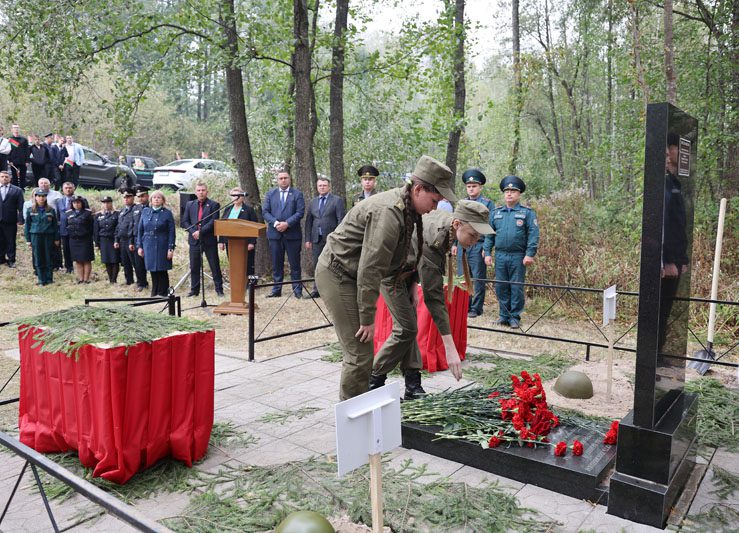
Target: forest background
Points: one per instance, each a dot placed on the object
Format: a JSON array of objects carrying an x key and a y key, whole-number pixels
[{"x": 559, "y": 98}]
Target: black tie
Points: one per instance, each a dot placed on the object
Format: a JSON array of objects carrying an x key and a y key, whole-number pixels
[{"x": 321, "y": 205}]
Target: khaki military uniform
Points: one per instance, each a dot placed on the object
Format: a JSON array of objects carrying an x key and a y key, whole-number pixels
[
  {"x": 366, "y": 248},
  {"x": 401, "y": 346}
]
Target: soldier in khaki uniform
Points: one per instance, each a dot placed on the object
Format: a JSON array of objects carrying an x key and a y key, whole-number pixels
[
  {"x": 441, "y": 230},
  {"x": 373, "y": 242},
  {"x": 368, "y": 176}
]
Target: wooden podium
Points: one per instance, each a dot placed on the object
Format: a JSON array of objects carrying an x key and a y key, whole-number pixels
[{"x": 237, "y": 231}]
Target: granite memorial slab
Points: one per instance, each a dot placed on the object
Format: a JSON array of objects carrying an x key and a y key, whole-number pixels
[
  {"x": 581, "y": 476},
  {"x": 656, "y": 441}
]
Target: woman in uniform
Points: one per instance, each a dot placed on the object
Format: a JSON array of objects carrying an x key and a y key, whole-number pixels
[
  {"x": 106, "y": 221},
  {"x": 466, "y": 224},
  {"x": 156, "y": 240},
  {"x": 374, "y": 241},
  {"x": 80, "y": 228},
  {"x": 42, "y": 235}
]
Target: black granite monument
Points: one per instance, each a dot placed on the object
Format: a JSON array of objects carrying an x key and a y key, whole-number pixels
[{"x": 656, "y": 441}]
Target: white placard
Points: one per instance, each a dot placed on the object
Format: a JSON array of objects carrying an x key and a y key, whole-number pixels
[
  {"x": 367, "y": 424},
  {"x": 609, "y": 304}
]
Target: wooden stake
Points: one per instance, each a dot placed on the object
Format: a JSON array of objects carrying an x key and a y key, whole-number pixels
[
  {"x": 611, "y": 333},
  {"x": 375, "y": 462}
]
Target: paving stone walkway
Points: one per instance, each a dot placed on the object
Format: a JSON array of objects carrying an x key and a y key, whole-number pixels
[{"x": 253, "y": 396}]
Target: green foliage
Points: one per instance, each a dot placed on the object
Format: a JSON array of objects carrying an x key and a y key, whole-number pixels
[
  {"x": 718, "y": 413},
  {"x": 726, "y": 483},
  {"x": 335, "y": 354},
  {"x": 69, "y": 329},
  {"x": 282, "y": 417},
  {"x": 259, "y": 498},
  {"x": 498, "y": 371}
]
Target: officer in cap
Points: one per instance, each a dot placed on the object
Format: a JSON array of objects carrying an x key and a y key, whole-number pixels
[
  {"x": 104, "y": 230},
  {"x": 142, "y": 201},
  {"x": 368, "y": 176},
  {"x": 515, "y": 241},
  {"x": 373, "y": 242},
  {"x": 473, "y": 180},
  {"x": 124, "y": 235},
  {"x": 42, "y": 235}
]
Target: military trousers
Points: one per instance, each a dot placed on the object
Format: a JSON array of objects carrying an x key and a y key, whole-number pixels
[
  {"x": 510, "y": 267},
  {"x": 478, "y": 271},
  {"x": 42, "y": 246},
  {"x": 127, "y": 260},
  {"x": 339, "y": 292},
  {"x": 401, "y": 347}
]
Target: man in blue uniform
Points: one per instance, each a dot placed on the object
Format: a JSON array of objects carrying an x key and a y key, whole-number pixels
[
  {"x": 515, "y": 240},
  {"x": 473, "y": 180}
]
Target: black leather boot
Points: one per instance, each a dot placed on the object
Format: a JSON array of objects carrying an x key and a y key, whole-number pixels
[
  {"x": 413, "y": 387},
  {"x": 377, "y": 381}
]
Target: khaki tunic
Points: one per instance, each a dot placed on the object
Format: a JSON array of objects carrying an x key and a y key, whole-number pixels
[
  {"x": 365, "y": 248},
  {"x": 360, "y": 196},
  {"x": 436, "y": 227}
]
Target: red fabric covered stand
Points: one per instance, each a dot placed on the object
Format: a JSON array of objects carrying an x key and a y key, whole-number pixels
[
  {"x": 429, "y": 338},
  {"x": 121, "y": 412}
]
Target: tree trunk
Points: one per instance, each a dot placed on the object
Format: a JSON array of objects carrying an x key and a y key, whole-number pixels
[
  {"x": 610, "y": 119},
  {"x": 517, "y": 89},
  {"x": 336, "y": 102},
  {"x": 636, "y": 40},
  {"x": 237, "y": 121},
  {"x": 304, "y": 166},
  {"x": 669, "y": 55},
  {"x": 558, "y": 157},
  {"x": 731, "y": 183},
  {"x": 290, "y": 127},
  {"x": 452, "y": 147}
]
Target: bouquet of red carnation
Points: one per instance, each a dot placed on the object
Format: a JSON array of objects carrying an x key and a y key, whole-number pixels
[{"x": 611, "y": 436}]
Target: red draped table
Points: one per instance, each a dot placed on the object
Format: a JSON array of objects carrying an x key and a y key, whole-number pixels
[
  {"x": 121, "y": 408},
  {"x": 429, "y": 338}
]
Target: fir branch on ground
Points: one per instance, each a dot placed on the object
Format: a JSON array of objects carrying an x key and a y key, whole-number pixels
[
  {"x": 283, "y": 417},
  {"x": 718, "y": 413},
  {"x": 726, "y": 483},
  {"x": 548, "y": 366},
  {"x": 168, "y": 475},
  {"x": 69, "y": 329},
  {"x": 334, "y": 355},
  {"x": 718, "y": 518},
  {"x": 260, "y": 497}
]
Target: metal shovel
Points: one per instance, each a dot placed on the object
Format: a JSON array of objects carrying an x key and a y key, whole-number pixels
[{"x": 708, "y": 354}]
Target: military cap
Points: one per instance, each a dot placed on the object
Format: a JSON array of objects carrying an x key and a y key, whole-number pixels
[
  {"x": 368, "y": 171},
  {"x": 473, "y": 175},
  {"x": 475, "y": 214},
  {"x": 48, "y": 135},
  {"x": 40, "y": 192},
  {"x": 142, "y": 188},
  {"x": 106, "y": 199},
  {"x": 78, "y": 198},
  {"x": 512, "y": 182},
  {"x": 128, "y": 192},
  {"x": 436, "y": 173}
]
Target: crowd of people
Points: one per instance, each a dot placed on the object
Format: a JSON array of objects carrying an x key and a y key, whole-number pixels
[
  {"x": 384, "y": 245},
  {"x": 52, "y": 156}
]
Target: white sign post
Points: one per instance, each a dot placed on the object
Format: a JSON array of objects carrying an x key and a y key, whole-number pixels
[
  {"x": 609, "y": 319},
  {"x": 366, "y": 427}
]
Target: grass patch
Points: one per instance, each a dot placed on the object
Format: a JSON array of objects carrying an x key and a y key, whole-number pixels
[
  {"x": 283, "y": 416},
  {"x": 168, "y": 475},
  {"x": 260, "y": 497},
  {"x": 718, "y": 413},
  {"x": 548, "y": 366}
]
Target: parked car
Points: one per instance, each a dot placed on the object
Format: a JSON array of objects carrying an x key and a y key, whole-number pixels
[
  {"x": 143, "y": 167},
  {"x": 181, "y": 173},
  {"x": 100, "y": 172}
]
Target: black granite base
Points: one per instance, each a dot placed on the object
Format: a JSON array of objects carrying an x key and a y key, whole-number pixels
[
  {"x": 581, "y": 477},
  {"x": 653, "y": 465}
]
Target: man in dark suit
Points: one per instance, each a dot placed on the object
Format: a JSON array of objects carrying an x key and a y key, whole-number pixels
[
  {"x": 11, "y": 216},
  {"x": 324, "y": 213},
  {"x": 20, "y": 152},
  {"x": 56, "y": 160},
  {"x": 283, "y": 209},
  {"x": 198, "y": 219}
]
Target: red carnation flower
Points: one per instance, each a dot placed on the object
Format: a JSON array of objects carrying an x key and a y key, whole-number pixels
[
  {"x": 494, "y": 394},
  {"x": 560, "y": 449},
  {"x": 494, "y": 442},
  {"x": 577, "y": 448},
  {"x": 612, "y": 435}
]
